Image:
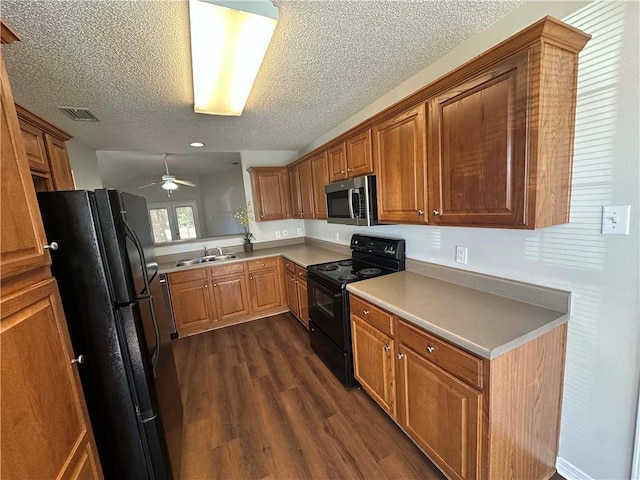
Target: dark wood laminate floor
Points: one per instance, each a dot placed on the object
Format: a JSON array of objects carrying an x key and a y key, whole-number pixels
[{"x": 258, "y": 404}]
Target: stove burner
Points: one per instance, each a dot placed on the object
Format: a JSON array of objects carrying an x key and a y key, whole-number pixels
[
  {"x": 327, "y": 267},
  {"x": 369, "y": 272},
  {"x": 345, "y": 263},
  {"x": 349, "y": 277}
]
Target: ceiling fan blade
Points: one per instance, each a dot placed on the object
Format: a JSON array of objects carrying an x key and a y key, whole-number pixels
[
  {"x": 150, "y": 184},
  {"x": 185, "y": 182}
]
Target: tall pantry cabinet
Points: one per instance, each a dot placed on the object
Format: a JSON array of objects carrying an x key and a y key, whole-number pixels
[{"x": 44, "y": 428}]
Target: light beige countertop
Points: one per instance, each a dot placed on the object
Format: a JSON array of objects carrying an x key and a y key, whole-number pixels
[
  {"x": 482, "y": 323},
  {"x": 301, "y": 253}
]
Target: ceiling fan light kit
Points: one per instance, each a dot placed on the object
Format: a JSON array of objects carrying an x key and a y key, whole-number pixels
[
  {"x": 228, "y": 43},
  {"x": 169, "y": 182}
]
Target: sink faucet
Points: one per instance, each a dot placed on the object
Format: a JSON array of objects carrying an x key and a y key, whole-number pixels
[
  {"x": 220, "y": 250},
  {"x": 206, "y": 251}
]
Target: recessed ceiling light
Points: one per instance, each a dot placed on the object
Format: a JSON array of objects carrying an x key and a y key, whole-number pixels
[{"x": 197, "y": 144}]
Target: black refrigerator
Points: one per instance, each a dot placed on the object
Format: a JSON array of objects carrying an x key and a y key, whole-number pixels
[{"x": 108, "y": 279}]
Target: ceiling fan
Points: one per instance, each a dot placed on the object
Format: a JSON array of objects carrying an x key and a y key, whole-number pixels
[{"x": 169, "y": 182}]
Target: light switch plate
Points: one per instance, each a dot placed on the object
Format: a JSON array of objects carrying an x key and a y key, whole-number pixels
[{"x": 615, "y": 220}]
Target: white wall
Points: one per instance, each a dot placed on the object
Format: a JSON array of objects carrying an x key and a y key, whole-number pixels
[
  {"x": 84, "y": 165},
  {"x": 222, "y": 193},
  {"x": 602, "y": 272},
  {"x": 266, "y": 231}
]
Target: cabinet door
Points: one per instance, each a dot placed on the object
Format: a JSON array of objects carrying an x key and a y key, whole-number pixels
[
  {"x": 270, "y": 193},
  {"x": 477, "y": 160},
  {"x": 306, "y": 190},
  {"x": 59, "y": 164},
  {"x": 373, "y": 363},
  {"x": 34, "y": 146},
  {"x": 265, "y": 290},
  {"x": 231, "y": 295},
  {"x": 320, "y": 175},
  {"x": 192, "y": 307},
  {"x": 359, "y": 158},
  {"x": 292, "y": 292},
  {"x": 441, "y": 414},
  {"x": 45, "y": 426},
  {"x": 22, "y": 235},
  {"x": 303, "y": 302},
  {"x": 400, "y": 159},
  {"x": 337, "y": 157},
  {"x": 296, "y": 199}
]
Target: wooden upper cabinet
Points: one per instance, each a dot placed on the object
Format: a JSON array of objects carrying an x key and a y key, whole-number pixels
[
  {"x": 337, "y": 158},
  {"x": 351, "y": 158},
  {"x": 270, "y": 187},
  {"x": 301, "y": 186},
  {"x": 22, "y": 233},
  {"x": 359, "y": 157},
  {"x": 320, "y": 176},
  {"x": 45, "y": 425},
  {"x": 399, "y": 145},
  {"x": 478, "y": 146},
  {"x": 46, "y": 151}
]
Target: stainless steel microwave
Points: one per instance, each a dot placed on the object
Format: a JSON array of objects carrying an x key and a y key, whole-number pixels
[{"x": 353, "y": 201}]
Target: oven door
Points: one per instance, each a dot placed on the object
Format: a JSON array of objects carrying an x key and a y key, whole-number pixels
[{"x": 328, "y": 309}]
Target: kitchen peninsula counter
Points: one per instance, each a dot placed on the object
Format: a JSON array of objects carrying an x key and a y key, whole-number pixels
[
  {"x": 485, "y": 324},
  {"x": 302, "y": 254}
]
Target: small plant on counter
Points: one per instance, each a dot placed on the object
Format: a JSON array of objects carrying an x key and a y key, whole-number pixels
[{"x": 244, "y": 214}]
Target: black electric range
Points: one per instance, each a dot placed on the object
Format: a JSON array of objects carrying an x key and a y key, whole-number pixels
[{"x": 330, "y": 325}]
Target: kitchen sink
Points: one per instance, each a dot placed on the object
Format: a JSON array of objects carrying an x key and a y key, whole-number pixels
[{"x": 205, "y": 259}]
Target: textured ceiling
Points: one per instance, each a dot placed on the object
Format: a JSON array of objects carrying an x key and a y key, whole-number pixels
[{"x": 129, "y": 63}]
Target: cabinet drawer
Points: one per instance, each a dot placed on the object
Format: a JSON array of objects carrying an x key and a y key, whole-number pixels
[
  {"x": 457, "y": 362},
  {"x": 290, "y": 266},
  {"x": 188, "y": 276},
  {"x": 262, "y": 263},
  {"x": 301, "y": 272},
  {"x": 227, "y": 269},
  {"x": 375, "y": 316}
]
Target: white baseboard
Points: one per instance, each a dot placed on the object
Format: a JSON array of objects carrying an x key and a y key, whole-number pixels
[{"x": 569, "y": 471}]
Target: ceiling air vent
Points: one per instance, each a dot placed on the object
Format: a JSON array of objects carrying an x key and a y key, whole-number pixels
[{"x": 79, "y": 114}]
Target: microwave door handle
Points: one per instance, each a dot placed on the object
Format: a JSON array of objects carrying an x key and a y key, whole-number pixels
[
  {"x": 350, "y": 193},
  {"x": 356, "y": 214}
]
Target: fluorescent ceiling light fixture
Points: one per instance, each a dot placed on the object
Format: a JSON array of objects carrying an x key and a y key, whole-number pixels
[
  {"x": 228, "y": 43},
  {"x": 170, "y": 185},
  {"x": 196, "y": 144}
]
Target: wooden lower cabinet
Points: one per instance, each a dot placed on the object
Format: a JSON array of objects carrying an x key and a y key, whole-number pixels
[
  {"x": 374, "y": 366},
  {"x": 303, "y": 302},
  {"x": 213, "y": 297},
  {"x": 441, "y": 414},
  {"x": 296, "y": 288},
  {"x": 231, "y": 296},
  {"x": 474, "y": 418},
  {"x": 45, "y": 425},
  {"x": 292, "y": 293}
]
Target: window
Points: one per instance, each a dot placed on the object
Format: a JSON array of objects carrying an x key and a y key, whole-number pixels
[{"x": 173, "y": 221}]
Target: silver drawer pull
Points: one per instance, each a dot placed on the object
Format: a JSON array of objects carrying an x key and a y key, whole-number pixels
[
  {"x": 51, "y": 246},
  {"x": 79, "y": 360},
  {"x": 420, "y": 212},
  {"x": 435, "y": 212},
  {"x": 387, "y": 348},
  {"x": 400, "y": 356},
  {"x": 430, "y": 349},
  {"x": 365, "y": 312}
]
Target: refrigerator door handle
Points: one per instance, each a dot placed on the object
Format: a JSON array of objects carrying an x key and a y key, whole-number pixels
[
  {"x": 147, "y": 289},
  {"x": 146, "y": 416},
  {"x": 129, "y": 232}
]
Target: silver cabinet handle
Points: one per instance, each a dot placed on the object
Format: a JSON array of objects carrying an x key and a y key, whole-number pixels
[
  {"x": 349, "y": 170},
  {"x": 215, "y": 284},
  {"x": 342, "y": 171},
  {"x": 420, "y": 212},
  {"x": 400, "y": 356},
  {"x": 365, "y": 312},
  {"x": 206, "y": 285},
  {"x": 261, "y": 216},
  {"x": 435, "y": 212},
  {"x": 430, "y": 349},
  {"x": 262, "y": 265},
  {"x": 79, "y": 360},
  {"x": 51, "y": 246},
  {"x": 387, "y": 348}
]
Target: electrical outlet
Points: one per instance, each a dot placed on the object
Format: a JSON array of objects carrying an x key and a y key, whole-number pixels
[
  {"x": 461, "y": 254},
  {"x": 299, "y": 231},
  {"x": 277, "y": 233},
  {"x": 285, "y": 233},
  {"x": 337, "y": 236}
]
